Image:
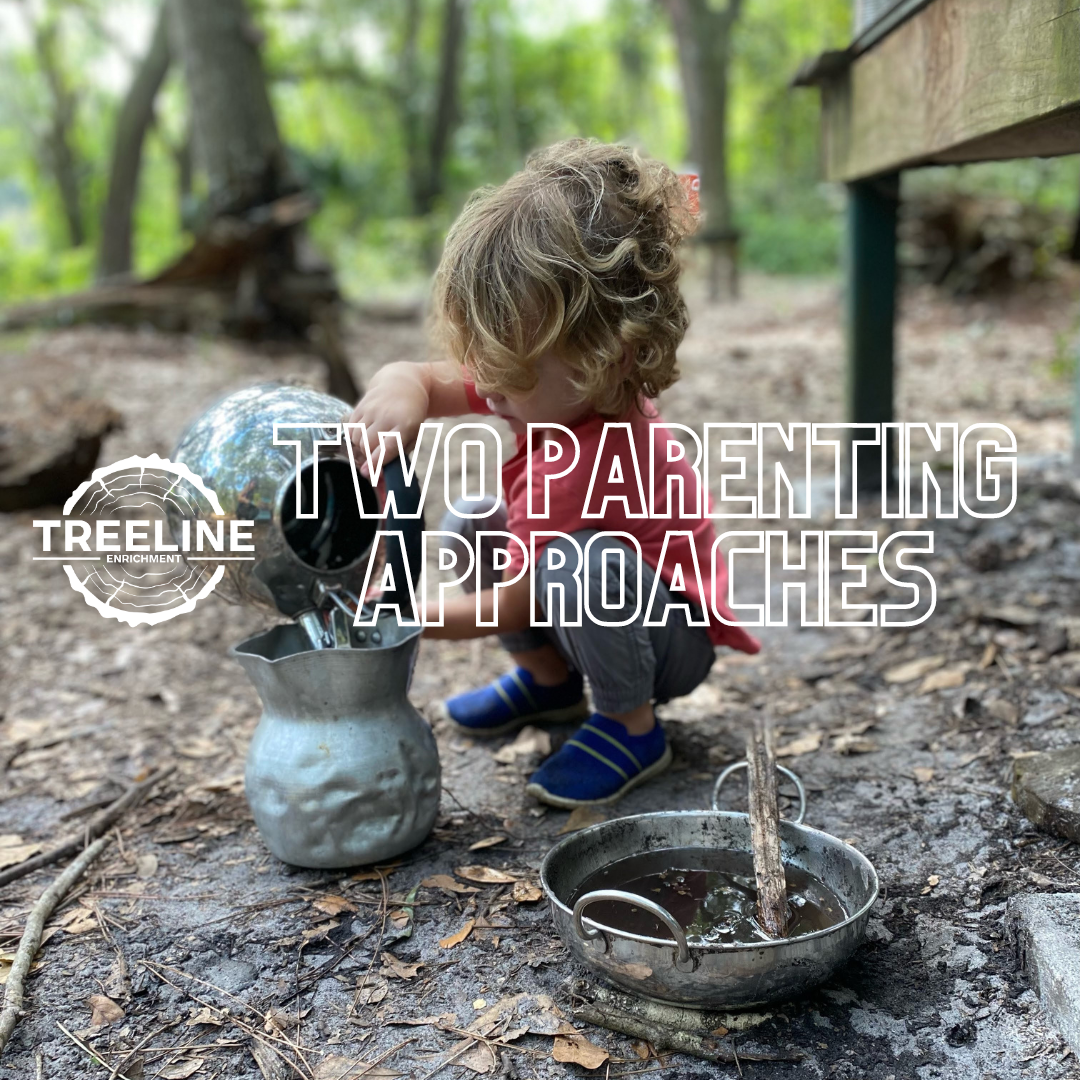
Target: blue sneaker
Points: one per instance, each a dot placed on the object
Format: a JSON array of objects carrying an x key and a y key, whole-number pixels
[
  {"x": 514, "y": 700},
  {"x": 599, "y": 764}
]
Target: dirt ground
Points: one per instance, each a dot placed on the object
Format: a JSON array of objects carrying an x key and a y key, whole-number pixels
[{"x": 219, "y": 961}]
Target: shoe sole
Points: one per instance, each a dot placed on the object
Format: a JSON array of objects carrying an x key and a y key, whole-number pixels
[
  {"x": 566, "y": 715},
  {"x": 563, "y": 803}
]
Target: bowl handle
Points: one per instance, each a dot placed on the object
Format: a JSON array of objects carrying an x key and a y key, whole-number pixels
[
  {"x": 798, "y": 820},
  {"x": 651, "y": 906}
]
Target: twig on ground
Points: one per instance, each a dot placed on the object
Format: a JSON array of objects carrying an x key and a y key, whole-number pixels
[
  {"x": 95, "y": 1055},
  {"x": 31, "y": 937},
  {"x": 248, "y": 1029},
  {"x": 668, "y": 1038},
  {"x": 93, "y": 829}
]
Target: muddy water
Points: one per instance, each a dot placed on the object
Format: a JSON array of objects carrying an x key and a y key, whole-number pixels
[{"x": 711, "y": 893}]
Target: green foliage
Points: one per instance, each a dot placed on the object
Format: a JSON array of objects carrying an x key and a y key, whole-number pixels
[{"x": 346, "y": 92}]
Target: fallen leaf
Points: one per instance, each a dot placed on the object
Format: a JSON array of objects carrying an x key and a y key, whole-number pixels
[
  {"x": 204, "y": 1016},
  {"x": 277, "y": 1020},
  {"x": 525, "y": 892},
  {"x": 913, "y": 669},
  {"x": 371, "y": 989},
  {"x": 923, "y": 774},
  {"x": 459, "y": 937},
  {"x": 320, "y": 931},
  {"x": 103, "y": 1011},
  {"x": 806, "y": 743},
  {"x": 393, "y": 968},
  {"x": 200, "y": 749},
  {"x": 13, "y": 850},
  {"x": 577, "y": 1050},
  {"x": 375, "y": 875},
  {"x": 488, "y": 841},
  {"x": 853, "y": 744},
  {"x": 933, "y": 880},
  {"x": 78, "y": 920},
  {"x": 719, "y": 1032},
  {"x": 945, "y": 679},
  {"x": 530, "y": 742},
  {"x": 480, "y": 1058},
  {"x": 181, "y": 1070},
  {"x": 23, "y": 729},
  {"x": 6, "y": 960},
  {"x": 581, "y": 818},
  {"x": 445, "y": 881},
  {"x": 146, "y": 866},
  {"x": 642, "y": 1049},
  {"x": 480, "y": 1003},
  {"x": 486, "y": 875},
  {"x": 332, "y": 904},
  {"x": 989, "y": 655},
  {"x": 336, "y": 1067}
]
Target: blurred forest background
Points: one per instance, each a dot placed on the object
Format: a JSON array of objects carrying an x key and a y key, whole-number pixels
[{"x": 391, "y": 111}]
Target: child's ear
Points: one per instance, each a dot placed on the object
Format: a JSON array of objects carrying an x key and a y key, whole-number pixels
[{"x": 629, "y": 358}]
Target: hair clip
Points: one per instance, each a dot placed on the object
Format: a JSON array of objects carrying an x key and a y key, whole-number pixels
[{"x": 691, "y": 183}]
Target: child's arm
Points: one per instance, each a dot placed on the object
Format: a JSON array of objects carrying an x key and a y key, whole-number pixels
[
  {"x": 459, "y": 612},
  {"x": 401, "y": 396}
]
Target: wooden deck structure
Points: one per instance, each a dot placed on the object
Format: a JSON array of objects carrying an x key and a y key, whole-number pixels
[{"x": 932, "y": 82}]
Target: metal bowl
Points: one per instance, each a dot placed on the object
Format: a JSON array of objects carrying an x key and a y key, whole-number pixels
[{"x": 729, "y": 976}]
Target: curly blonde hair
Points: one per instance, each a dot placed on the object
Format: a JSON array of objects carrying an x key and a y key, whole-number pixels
[{"x": 576, "y": 254}]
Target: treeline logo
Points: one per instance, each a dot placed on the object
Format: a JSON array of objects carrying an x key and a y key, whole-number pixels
[{"x": 144, "y": 540}]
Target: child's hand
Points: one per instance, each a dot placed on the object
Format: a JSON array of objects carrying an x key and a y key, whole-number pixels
[{"x": 396, "y": 400}]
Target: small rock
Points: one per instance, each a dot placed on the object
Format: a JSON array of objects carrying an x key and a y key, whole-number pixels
[
  {"x": 1046, "y": 788},
  {"x": 984, "y": 554},
  {"x": 961, "y": 1034}
]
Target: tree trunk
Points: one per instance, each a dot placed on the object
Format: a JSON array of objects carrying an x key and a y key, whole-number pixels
[
  {"x": 236, "y": 135},
  {"x": 136, "y": 116},
  {"x": 703, "y": 36},
  {"x": 408, "y": 99},
  {"x": 57, "y": 144},
  {"x": 446, "y": 99},
  {"x": 428, "y": 156}
]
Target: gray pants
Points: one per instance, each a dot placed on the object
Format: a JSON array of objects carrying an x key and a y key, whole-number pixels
[{"x": 625, "y": 665}]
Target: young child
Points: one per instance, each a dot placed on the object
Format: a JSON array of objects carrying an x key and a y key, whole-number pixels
[{"x": 558, "y": 300}]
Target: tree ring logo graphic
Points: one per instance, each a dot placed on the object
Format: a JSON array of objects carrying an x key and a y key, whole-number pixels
[{"x": 143, "y": 540}]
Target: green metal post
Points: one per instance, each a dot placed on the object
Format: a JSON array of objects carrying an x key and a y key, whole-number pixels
[{"x": 871, "y": 310}]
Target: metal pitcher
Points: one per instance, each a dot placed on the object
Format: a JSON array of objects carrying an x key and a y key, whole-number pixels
[{"x": 342, "y": 770}]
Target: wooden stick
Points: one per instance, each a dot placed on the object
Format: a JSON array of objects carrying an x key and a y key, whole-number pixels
[
  {"x": 765, "y": 831},
  {"x": 94, "y": 828},
  {"x": 31, "y": 938},
  {"x": 668, "y": 1038}
]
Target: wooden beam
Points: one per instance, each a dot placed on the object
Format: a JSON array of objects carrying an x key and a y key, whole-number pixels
[{"x": 961, "y": 80}]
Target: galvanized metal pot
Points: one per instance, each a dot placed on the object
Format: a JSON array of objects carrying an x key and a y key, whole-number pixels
[
  {"x": 729, "y": 976},
  {"x": 342, "y": 770}
]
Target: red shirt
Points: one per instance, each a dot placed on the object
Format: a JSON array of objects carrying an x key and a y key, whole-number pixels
[{"x": 616, "y": 495}]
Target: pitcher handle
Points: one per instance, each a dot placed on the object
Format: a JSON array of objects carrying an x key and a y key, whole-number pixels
[
  {"x": 587, "y": 933},
  {"x": 779, "y": 768}
]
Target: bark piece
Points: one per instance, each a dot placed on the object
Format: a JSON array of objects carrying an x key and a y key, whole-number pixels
[
  {"x": 765, "y": 831},
  {"x": 46, "y": 451},
  {"x": 1046, "y": 788}
]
